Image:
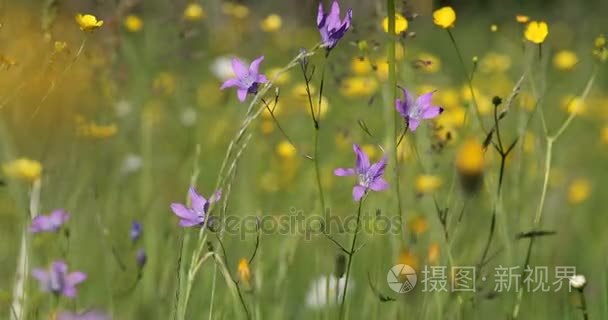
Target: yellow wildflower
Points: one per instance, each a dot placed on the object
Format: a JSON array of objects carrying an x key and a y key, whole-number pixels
[
  {"x": 165, "y": 83},
  {"x": 358, "y": 86},
  {"x": 277, "y": 77},
  {"x": 433, "y": 254},
  {"x": 236, "y": 10},
  {"x": 493, "y": 28},
  {"x": 88, "y": 22},
  {"x": 444, "y": 17},
  {"x": 319, "y": 112},
  {"x": 418, "y": 225},
  {"x": 382, "y": 69},
  {"x": 495, "y": 63},
  {"x": 427, "y": 183},
  {"x": 407, "y": 257},
  {"x": 600, "y": 41},
  {"x": 400, "y": 24},
  {"x": 361, "y": 65},
  {"x": 271, "y": 23},
  {"x": 565, "y": 60},
  {"x": 243, "y": 271},
  {"x": 285, "y": 150},
  {"x": 536, "y": 31},
  {"x": 429, "y": 62},
  {"x": 579, "y": 191},
  {"x": 520, "y": 18},
  {"x": 470, "y": 164},
  {"x": 23, "y": 169},
  {"x": 299, "y": 91},
  {"x": 133, "y": 23},
  {"x": 194, "y": 12},
  {"x": 399, "y": 51},
  {"x": 267, "y": 126},
  {"x": 371, "y": 150},
  {"x": 529, "y": 143},
  {"x": 574, "y": 104}
]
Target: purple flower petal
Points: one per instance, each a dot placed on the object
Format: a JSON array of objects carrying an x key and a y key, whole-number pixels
[
  {"x": 215, "y": 197},
  {"x": 377, "y": 169},
  {"x": 343, "y": 172},
  {"x": 413, "y": 124},
  {"x": 379, "y": 184},
  {"x": 241, "y": 94},
  {"x": 239, "y": 69},
  {"x": 424, "y": 101},
  {"x": 358, "y": 192},
  {"x": 362, "y": 161},
  {"x": 230, "y": 83},
  {"x": 320, "y": 16},
  {"x": 181, "y": 211},
  {"x": 431, "y": 112},
  {"x": 333, "y": 20},
  {"x": 262, "y": 78},
  {"x": 197, "y": 202},
  {"x": 76, "y": 277},
  {"x": 189, "y": 223},
  {"x": 40, "y": 274},
  {"x": 255, "y": 65}
]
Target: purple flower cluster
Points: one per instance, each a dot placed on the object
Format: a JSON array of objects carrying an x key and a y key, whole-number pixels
[
  {"x": 369, "y": 176},
  {"x": 330, "y": 26},
  {"x": 57, "y": 280},
  {"x": 49, "y": 223}
]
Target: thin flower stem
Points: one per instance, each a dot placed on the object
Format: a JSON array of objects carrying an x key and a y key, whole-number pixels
[
  {"x": 316, "y": 138},
  {"x": 392, "y": 80},
  {"x": 276, "y": 121},
  {"x": 583, "y": 307},
  {"x": 551, "y": 139},
  {"x": 350, "y": 254},
  {"x": 469, "y": 79}
]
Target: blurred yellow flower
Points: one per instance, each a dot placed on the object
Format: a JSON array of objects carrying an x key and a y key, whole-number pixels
[
  {"x": 604, "y": 135},
  {"x": 165, "y": 83},
  {"x": 358, "y": 86},
  {"x": 99, "y": 131},
  {"x": 565, "y": 60},
  {"x": 427, "y": 183},
  {"x": 448, "y": 98},
  {"x": 276, "y": 110},
  {"x": 400, "y": 24},
  {"x": 371, "y": 150},
  {"x": 429, "y": 62},
  {"x": 382, "y": 69},
  {"x": 399, "y": 51},
  {"x": 470, "y": 158},
  {"x": 236, "y": 10},
  {"x": 60, "y": 46},
  {"x": 407, "y": 257},
  {"x": 444, "y": 17},
  {"x": 418, "y": 225},
  {"x": 24, "y": 169},
  {"x": 299, "y": 91},
  {"x": 271, "y": 23},
  {"x": 319, "y": 112},
  {"x": 494, "y": 62},
  {"x": 520, "y": 18},
  {"x": 269, "y": 182},
  {"x": 536, "y": 31},
  {"x": 529, "y": 143},
  {"x": 493, "y": 28},
  {"x": 88, "y": 22},
  {"x": 207, "y": 95},
  {"x": 277, "y": 77},
  {"x": 433, "y": 254},
  {"x": 243, "y": 271},
  {"x": 194, "y": 12},
  {"x": 133, "y": 23},
  {"x": 342, "y": 139},
  {"x": 361, "y": 65},
  {"x": 285, "y": 150},
  {"x": 579, "y": 191},
  {"x": 600, "y": 41},
  {"x": 574, "y": 104},
  {"x": 267, "y": 126}
]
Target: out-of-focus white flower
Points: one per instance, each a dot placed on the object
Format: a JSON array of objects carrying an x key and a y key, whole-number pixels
[
  {"x": 131, "y": 163},
  {"x": 578, "y": 281},
  {"x": 188, "y": 117},
  {"x": 222, "y": 68},
  {"x": 326, "y": 291},
  {"x": 123, "y": 108}
]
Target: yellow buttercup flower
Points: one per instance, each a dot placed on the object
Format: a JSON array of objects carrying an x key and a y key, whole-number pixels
[
  {"x": 24, "y": 169},
  {"x": 285, "y": 150},
  {"x": 407, "y": 257},
  {"x": 400, "y": 24},
  {"x": 133, "y": 23},
  {"x": 493, "y": 28},
  {"x": 243, "y": 271},
  {"x": 565, "y": 60},
  {"x": 429, "y": 62},
  {"x": 371, "y": 150},
  {"x": 88, "y": 22},
  {"x": 574, "y": 104},
  {"x": 579, "y": 191},
  {"x": 98, "y": 131},
  {"x": 520, "y": 18},
  {"x": 236, "y": 10},
  {"x": 427, "y": 183},
  {"x": 444, "y": 17},
  {"x": 536, "y": 31},
  {"x": 470, "y": 164},
  {"x": 271, "y": 23},
  {"x": 433, "y": 254},
  {"x": 358, "y": 86},
  {"x": 361, "y": 65},
  {"x": 267, "y": 127},
  {"x": 194, "y": 12},
  {"x": 418, "y": 225}
]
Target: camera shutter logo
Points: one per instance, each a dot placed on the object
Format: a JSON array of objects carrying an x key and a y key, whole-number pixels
[{"x": 401, "y": 278}]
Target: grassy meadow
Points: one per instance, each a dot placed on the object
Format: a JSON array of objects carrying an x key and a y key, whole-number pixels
[{"x": 107, "y": 120}]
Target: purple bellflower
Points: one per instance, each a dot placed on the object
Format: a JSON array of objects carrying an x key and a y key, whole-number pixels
[
  {"x": 141, "y": 258},
  {"x": 247, "y": 80},
  {"x": 57, "y": 279},
  {"x": 330, "y": 26},
  {"x": 416, "y": 110},
  {"x": 136, "y": 230},
  {"x": 369, "y": 175},
  {"x": 196, "y": 214},
  {"x": 51, "y": 222}
]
